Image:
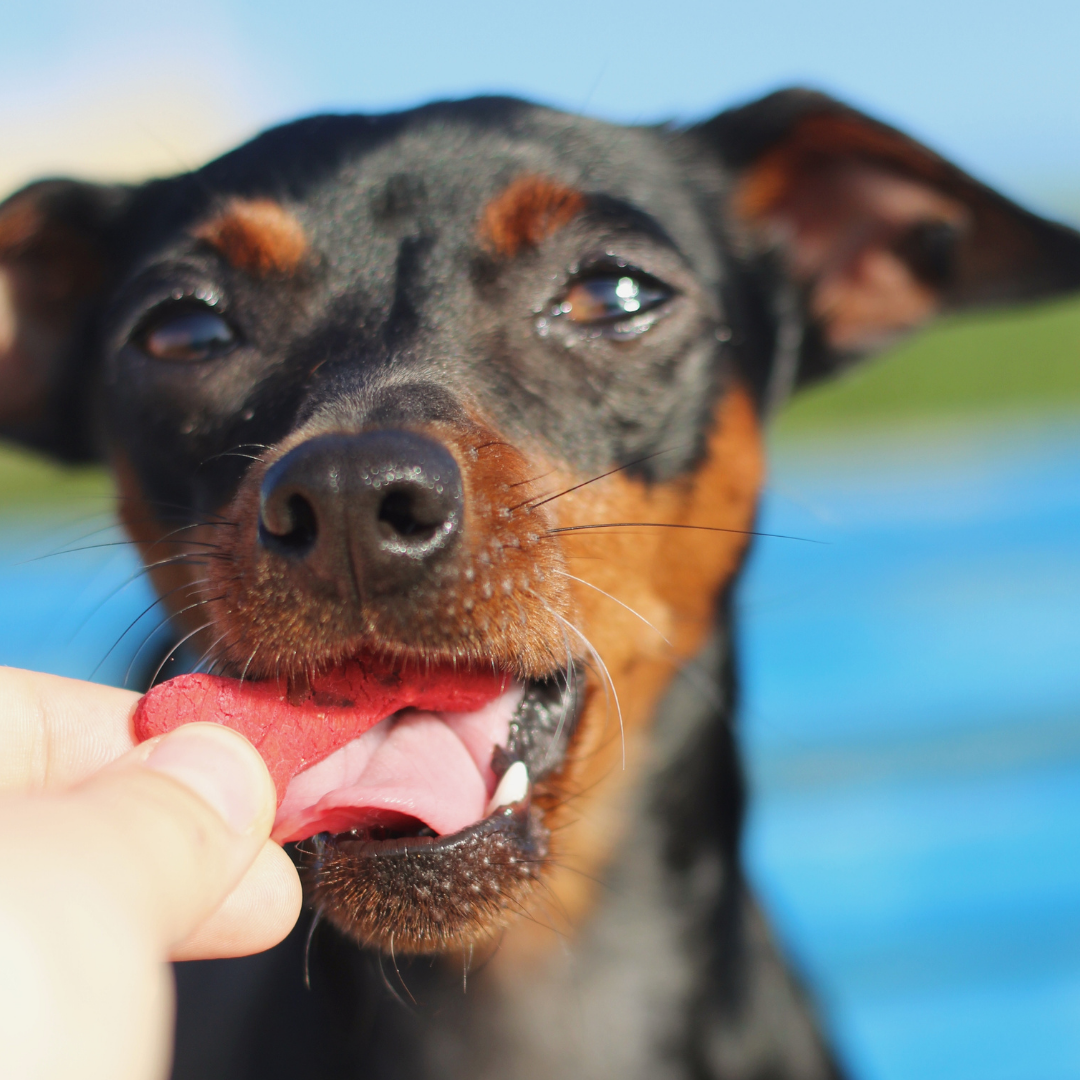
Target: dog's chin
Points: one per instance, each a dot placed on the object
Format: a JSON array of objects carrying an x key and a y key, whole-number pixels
[
  {"x": 406, "y": 892},
  {"x": 426, "y": 832}
]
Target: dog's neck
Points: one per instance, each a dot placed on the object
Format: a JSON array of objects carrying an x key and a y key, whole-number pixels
[{"x": 673, "y": 975}]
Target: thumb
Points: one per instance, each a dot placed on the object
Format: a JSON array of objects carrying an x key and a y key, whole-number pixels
[
  {"x": 191, "y": 810},
  {"x": 112, "y": 875}
]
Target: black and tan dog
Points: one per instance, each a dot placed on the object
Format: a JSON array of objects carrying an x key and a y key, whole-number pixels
[{"x": 479, "y": 387}]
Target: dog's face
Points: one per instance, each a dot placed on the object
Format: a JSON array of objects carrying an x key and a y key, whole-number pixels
[{"x": 471, "y": 389}]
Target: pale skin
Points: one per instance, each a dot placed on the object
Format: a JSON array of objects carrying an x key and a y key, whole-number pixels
[{"x": 115, "y": 859}]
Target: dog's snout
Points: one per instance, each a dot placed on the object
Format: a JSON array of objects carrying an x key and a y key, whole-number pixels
[{"x": 379, "y": 507}]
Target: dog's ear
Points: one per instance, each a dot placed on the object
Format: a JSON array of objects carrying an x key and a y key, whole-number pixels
[
  {"x": 56, "y": 260},
  {"x": 872, "y": 231}
]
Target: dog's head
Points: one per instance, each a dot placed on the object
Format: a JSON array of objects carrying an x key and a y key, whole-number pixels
[{"x": 475, "y": 389}]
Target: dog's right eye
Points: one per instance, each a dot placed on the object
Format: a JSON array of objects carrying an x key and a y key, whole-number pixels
[{"x": 187, "y": 336}]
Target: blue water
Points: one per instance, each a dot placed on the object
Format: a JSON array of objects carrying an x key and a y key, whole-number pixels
[
  {"x": 911, "y": 716},
  {"x": 74, "y": 598}
]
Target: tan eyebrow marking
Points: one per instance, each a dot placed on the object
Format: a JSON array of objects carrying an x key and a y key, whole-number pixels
[
  {"x": 256, "y": 235},
  {"x": 526, "y": 212}
]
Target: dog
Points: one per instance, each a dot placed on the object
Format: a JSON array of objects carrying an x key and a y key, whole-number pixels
[{"x": 475, "y": 392}]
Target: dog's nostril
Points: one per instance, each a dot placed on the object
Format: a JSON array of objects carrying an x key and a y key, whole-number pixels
[
  {"x": 404, "y": 511},
  {"x": 293, "y": 528}
]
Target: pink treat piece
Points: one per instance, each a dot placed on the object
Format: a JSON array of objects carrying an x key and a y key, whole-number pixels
[{"x": 340, "y": 707}]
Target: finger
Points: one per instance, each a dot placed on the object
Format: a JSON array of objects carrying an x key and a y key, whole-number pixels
[
  {"x": 195, "y": 807},
  {"x": 167, "y": 831},
  {"x": 255, "y": 916},
  {"x": 55, "y": 732},
  {"x": 113, "y": 876}
]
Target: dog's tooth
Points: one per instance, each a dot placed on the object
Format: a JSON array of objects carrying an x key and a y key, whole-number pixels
[{"x": 513, "y": 787}]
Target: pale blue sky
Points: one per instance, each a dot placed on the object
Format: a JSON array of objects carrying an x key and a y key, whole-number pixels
[{"x": 996, "y": 85}]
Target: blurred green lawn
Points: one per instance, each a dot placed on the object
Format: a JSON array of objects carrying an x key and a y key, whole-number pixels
[
  {"x": 28, "y": 481},
  {"x": 1018, "y": 362}
]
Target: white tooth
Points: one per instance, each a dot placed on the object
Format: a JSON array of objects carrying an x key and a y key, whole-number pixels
[{"x": 513, "y": 787}]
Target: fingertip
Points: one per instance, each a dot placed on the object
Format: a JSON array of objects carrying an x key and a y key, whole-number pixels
[{"x": 256, "y": 915}]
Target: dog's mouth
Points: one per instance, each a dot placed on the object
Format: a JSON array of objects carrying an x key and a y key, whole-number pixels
[
  {"x": 416, "y": 771},
  {"x": 375, "y": 764},
  {"x": 422, "y": 773}
]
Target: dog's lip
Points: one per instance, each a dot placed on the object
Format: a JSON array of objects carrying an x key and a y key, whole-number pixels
[{"x": 360, "y": 844}]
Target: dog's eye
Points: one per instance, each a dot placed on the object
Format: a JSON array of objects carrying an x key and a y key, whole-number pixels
[
  {"x": 616, "y": 304},
  {"x": 187, "y": 336}
]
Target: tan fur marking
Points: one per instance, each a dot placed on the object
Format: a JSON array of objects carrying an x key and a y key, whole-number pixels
[
  {"x": 526, "y": 212},
  {"x": 672, "y": 578},
  {"x": 258, "y": 236}
]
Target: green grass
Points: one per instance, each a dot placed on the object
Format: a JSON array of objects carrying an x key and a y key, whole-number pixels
[
  {"x": 29, "y": 480},
  {"x": 1020, "y": 361},
  {"x": 1017, "y": 361}
]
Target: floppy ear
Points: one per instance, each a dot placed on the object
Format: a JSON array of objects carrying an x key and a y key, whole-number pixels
[
  {"x": 875, "y": 232},
  {"x": 56, "y": 260}
]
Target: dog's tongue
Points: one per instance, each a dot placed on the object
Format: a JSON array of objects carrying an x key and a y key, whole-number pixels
[{"x": 294, "y": 732}]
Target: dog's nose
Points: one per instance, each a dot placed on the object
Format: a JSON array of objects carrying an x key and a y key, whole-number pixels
[{"x": 379, "y": 508}]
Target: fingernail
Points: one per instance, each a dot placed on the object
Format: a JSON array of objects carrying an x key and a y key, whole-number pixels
[{"x": 217, "y": 765}]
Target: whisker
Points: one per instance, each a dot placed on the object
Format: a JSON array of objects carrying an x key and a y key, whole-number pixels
[
  {"x": 616, "y": 600},
  {"x": 180, "y": 508},
  {"x": 585, "y": 483},
  {"x": 114, "y": 524},
  {"x": 397, "y": 970},
  {"x": 386, "y": 982},
  {"x": 607, "y": 675},
  {"x": 163, "y": 621},
  {"x": 677, "y": 525},
  {"x": 494, "y": 442},
  {"x": 167, "y": 618},
  {"x": 531, "y": 480},
  {"x": 138, "y": 618},
  {"x": 142, "y": 570},
  {"x": 307, "y": 949},
  {"x": 243, "y": 674},
  {"x": 235, "y": 454},
  {"x": 466, "y": 964},
  {"x": 171, "y": 652},
  {"x": 210, "y": 648},
  {"x": 125, "y": 543},
  {"x": 184, "y": 528},
  {"x": 234, "y": 451}
]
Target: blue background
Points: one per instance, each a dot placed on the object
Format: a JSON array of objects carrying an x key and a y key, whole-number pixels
[{"x": 994, "y": 83}]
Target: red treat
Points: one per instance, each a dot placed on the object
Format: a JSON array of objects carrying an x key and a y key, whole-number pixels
[{"x": 292, "y": 735}]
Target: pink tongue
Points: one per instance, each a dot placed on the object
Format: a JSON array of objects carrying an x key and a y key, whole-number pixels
[
  {"x": 435, "y": 768},
  {"x": 292, "y": 735}
]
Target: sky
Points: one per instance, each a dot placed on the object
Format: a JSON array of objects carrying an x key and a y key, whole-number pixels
[{"x": 127, "y": 88}]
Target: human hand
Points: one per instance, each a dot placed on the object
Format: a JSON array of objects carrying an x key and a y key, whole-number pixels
[{"x": 115, "y": 859}]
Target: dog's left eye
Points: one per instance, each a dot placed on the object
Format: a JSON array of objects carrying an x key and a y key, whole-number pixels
[
  {"x": 614, "y": 303},
  {"x": 187, "y": 336}
]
